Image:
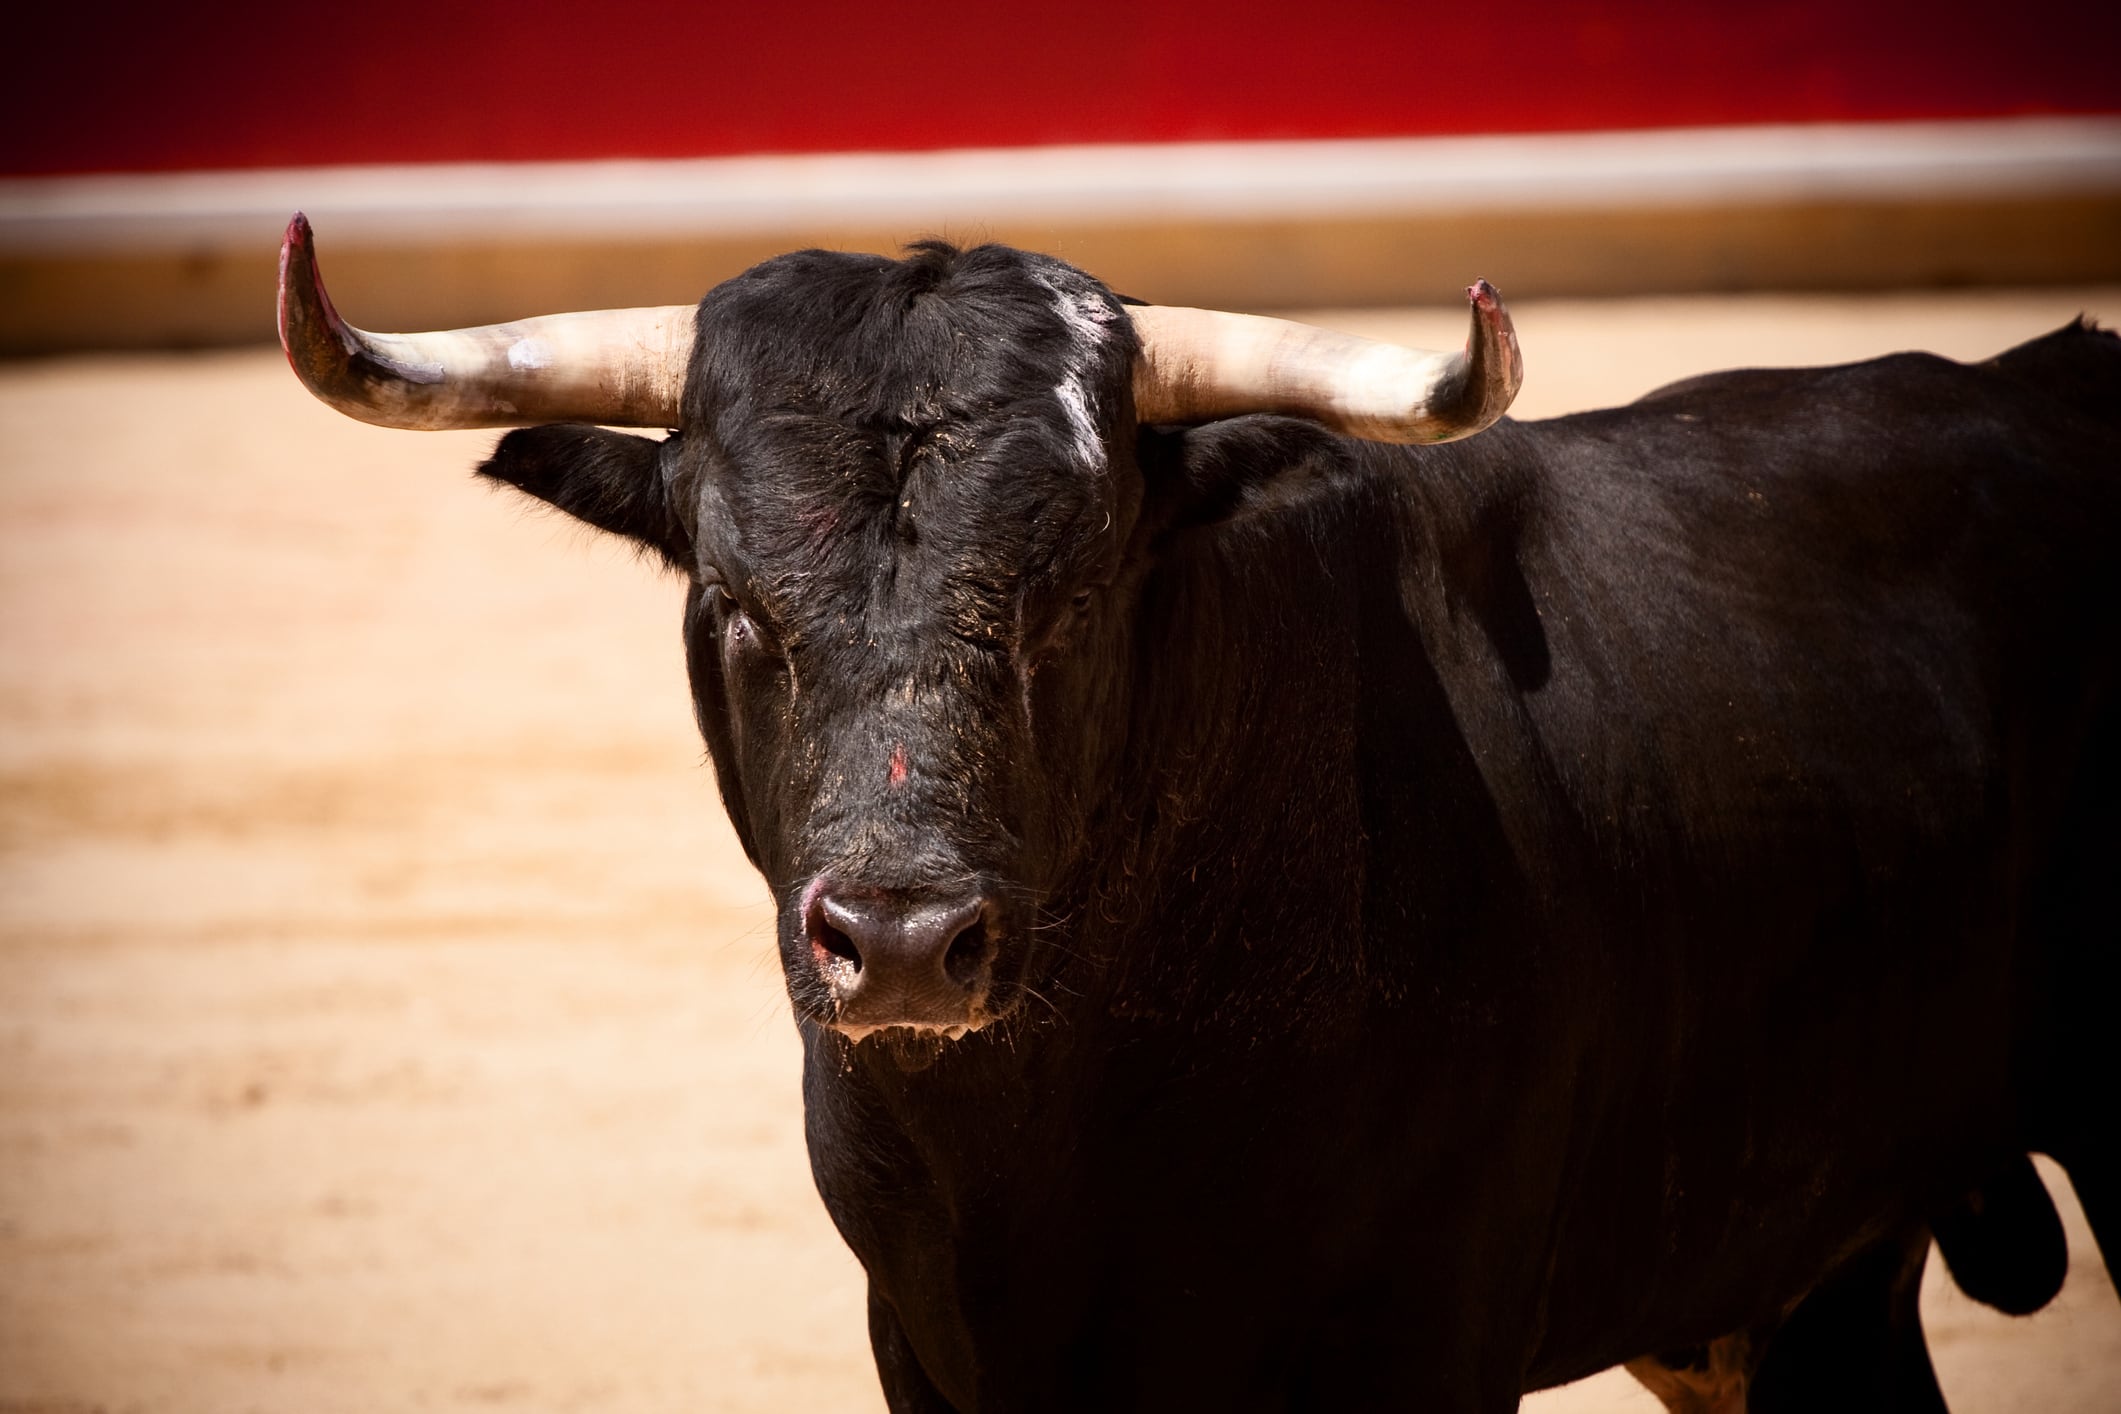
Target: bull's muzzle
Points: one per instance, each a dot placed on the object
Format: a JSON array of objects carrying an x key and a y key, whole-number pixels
[{"x": 892, "y": 960}]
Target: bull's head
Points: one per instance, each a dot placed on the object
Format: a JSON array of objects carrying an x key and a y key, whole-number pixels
[{"x": 908, "y": 497}]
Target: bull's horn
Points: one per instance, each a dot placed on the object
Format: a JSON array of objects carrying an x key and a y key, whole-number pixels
[
  {"x": 1199, "y": 364},
  {"x": 619, "y": 367}
]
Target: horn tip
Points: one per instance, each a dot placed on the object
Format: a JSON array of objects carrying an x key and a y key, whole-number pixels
[
  {"x": 297, "y": 259},
  {"x": 1494, "y": 348},
  {"x": 316, "y": 341}
]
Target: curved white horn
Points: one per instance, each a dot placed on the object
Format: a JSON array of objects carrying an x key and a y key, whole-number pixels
[
  {"x": 619, "y": 367},
  {"x": 1201, "y": 364}
]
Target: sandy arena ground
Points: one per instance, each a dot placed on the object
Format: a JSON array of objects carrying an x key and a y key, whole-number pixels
[{"x": 388, "y": 1020}]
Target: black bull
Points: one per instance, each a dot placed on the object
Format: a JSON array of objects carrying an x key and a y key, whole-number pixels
[{"x": 1431, "y": 922}]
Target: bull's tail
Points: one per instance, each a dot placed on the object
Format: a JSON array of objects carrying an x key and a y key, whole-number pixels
[{"x": 2079, "y": 365}]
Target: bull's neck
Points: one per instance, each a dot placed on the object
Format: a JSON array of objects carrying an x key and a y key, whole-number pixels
[{"x": 1285, "y": 714}]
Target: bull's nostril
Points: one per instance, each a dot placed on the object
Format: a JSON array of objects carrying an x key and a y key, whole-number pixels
[
  {"x": 831, "y": 942},
  {"x": 968, "y": 954}
]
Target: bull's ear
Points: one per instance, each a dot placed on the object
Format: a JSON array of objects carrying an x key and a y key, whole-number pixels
[
  {"x": 610, "y": 479},
  {"x": 1228, "y": 470}
]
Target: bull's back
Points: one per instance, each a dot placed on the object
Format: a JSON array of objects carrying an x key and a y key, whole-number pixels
[{"x": 1871, "y": 592}]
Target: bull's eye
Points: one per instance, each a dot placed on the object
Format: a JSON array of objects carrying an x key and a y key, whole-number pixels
[
  {"x": 1081, "y": 601},
  {"x": 743, "y": 634},
  {"x": 740, "y": 632}
]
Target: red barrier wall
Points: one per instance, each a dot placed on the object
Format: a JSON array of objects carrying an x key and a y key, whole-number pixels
[{"x": 245, "y": 84}]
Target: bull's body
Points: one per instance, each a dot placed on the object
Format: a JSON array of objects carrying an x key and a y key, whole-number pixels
[
  {"x": 1569, "y": 890},
  {"x": 1285, "y": 922}
]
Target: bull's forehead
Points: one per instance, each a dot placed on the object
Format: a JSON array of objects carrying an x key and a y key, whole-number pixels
[
  {"x": 893, "y": 440},
  {"x": 968, "y": 525}
]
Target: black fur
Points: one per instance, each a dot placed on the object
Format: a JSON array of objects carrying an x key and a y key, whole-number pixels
[{"x": 1474, "y": 914}]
